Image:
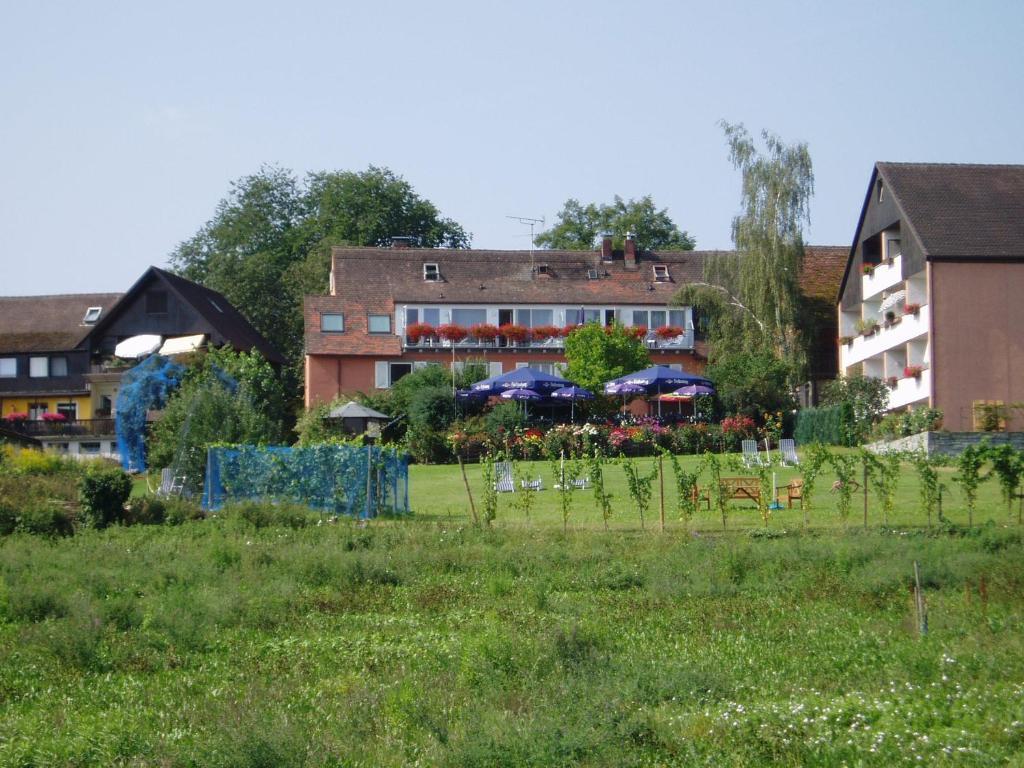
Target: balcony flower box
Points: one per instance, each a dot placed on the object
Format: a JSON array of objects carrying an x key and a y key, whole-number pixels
[
  {"x": 867, "y": 327},
  {"x": 913, "y": 371},
  {"x": 16, "y": 417},
  {"x": 846, "y": 340},
  {"x": 451, "y": 332},
  {"x": 514, "y": 334},
  {"x": 868, "y": 269},
  {"x": 417, "y": 332},
  {"x": 545, "y": 332},
  {"x": 668, "y": 332},
  {"x": 566, "y": 330},
  {"x": 892, "y": 382},
  {"x": 54, "y": 417},
  {"x": 484, "y": 332},
  {"x": 637, "y": 331},
  {"x": 911, "y": 309}
]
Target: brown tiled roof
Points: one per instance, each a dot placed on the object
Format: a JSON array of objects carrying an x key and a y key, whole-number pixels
[
  {"x": 483, "y": 277},
  {"x": 961, "y": 211},
  {"x": 48, "y": 323},
  {"x": 823, "y": 270},
  {"x": 376, "y": 280}
]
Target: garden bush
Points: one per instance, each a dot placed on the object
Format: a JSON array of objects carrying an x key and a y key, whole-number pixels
[
  {"x": 102, "y": 492},
  {"x": 831, "y": 425}
]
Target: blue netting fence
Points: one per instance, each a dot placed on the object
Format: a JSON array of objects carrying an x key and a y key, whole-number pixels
[
  {"x": 341, "y": 479},
  {"x": 144, "y": 387}
]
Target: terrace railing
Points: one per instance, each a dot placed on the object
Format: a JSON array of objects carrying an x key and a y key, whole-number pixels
[
  {"x": 69, "y": 428},
  {"x": 684, "y": 341}
]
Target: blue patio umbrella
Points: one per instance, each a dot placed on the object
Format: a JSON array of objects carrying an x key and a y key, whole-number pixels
[
  {"x": 572, "y": 394},
  {"x": 694, "y": 390},
  {"x": 521, "y": 395},
  {"x": 521, "y": 378},
  {"x": 657, "y": 380},
  {"x": 624, "y": 390}
]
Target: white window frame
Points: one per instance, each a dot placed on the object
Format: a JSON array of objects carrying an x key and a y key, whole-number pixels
[
  {"x": 8, "y": 367},
  {"x": 92, "y": 315},
  {"x": 340, "y": 315},
  {"x": 661, "y": 274},
  {"x": 431, "y": 272},
  {"x": 33, "y": 367}
]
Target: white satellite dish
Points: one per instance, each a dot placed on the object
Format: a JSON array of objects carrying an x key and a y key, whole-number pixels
[{"x": 138, "y": 346}]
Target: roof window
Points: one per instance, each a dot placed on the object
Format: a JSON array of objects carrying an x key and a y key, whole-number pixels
[
  {"x": 542, "y": 269},
  {"x": 592, "y": 274},
  {"x": 431, "y": 273},
  {"x": 92, "y": 314},
  {"x": 661, "y": 273}
]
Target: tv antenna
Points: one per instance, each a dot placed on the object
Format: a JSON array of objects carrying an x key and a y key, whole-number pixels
[{"x": 531, "y": 223}]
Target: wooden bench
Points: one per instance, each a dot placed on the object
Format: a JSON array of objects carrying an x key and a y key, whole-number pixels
[{"x": 748, "y": 488}]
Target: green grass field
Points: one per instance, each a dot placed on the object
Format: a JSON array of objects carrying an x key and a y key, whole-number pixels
[
  {"x": 438, "y": 492},
  {"x": 427, "y": 641}
]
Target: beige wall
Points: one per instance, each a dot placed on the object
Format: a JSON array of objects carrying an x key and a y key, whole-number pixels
[{"x": 977, "y": 338}]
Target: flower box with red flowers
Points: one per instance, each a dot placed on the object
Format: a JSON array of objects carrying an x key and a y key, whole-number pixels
[
  {"x": 16, "y": 417},
  {"x": 545, "y": 332},
  {"x": 483, "y": 332},
  {"x": 567, "y": 329},
  {"x": 892, "y": 382},
  {"x": 514, "y": 334},
  {"x": 417, "y": 332},
  {"x": 451, "y": 332},
  {"x": 913, "y": 371},
  {"x": 636, "y": 331},
  {"x": 911, "y": 309},
  {"x": 54, "y": 417},
  {"x": 667, "y": 332}
]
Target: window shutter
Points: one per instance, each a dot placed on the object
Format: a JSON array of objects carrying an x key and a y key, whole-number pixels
[
  {"x": 380, "y": 371},
  {"x": 494, "y": 369}
]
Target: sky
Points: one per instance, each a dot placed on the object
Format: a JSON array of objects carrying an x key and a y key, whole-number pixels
[{"x": 123, "y": 124}]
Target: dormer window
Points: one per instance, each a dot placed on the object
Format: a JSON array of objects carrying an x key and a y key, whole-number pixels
[
  {"x": 542, "y": 269},
  {"x": 661, "y": 273},
  {"x": 592, "y": 274},
  {"x": 431, "y": 273},
  {"x": 92, "y": 314}
]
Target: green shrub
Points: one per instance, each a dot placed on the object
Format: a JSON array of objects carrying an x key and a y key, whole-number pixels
[
  {"x": 147, "y": 510},
  {"x": 27, "y": 461},
  {"x": 832, "y": 425},
  {"x": 102, "y": 491},
  {"x": 178, "y": 511},
  {"x": 266, "y": 515}
]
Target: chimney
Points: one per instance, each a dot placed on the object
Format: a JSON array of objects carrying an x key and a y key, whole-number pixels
[
  {"x": 606, "y": 247},
  {"x": 403, "y": 241},
  {"x": 630, "y": 251}
]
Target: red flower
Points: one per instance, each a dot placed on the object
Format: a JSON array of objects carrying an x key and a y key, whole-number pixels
[
  {"x": 667, "y": 332},
  {"x": 483, "y": 332},
  {"x": 54, "y": 417},
  {"x": 544, "y": 332},
  {"x": 16, "y": 417},
  {"x": 418, "y": 331},
  {"x": 451, "y": 332},
  {"x": 514, "y": 333}
]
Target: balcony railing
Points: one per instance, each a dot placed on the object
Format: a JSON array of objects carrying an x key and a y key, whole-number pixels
[
  {"x": 71, "y": 428},
  {"x": 684, "y": 341}
]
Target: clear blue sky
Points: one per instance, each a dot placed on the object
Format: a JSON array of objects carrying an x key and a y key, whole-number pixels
[{"x": 122, "y": 124}]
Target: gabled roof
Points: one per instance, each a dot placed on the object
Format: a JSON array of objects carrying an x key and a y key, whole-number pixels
[
  {"x": 485, "y": 277},
  {"x": 211, "y": 305},
  {"x": 48, "y": 323},
  {"x": 961, "y": 211}
]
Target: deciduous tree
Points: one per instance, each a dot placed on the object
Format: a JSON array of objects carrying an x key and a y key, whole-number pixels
[{"x": 578, "y": 226}]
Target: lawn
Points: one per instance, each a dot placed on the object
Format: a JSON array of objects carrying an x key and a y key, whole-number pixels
[
  {"x": 438, "y": 492},
  {"x": 272, "y": 637}
]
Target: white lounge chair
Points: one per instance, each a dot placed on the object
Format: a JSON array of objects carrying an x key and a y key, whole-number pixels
[
  {"x": 170, "y": 484},
  {"x": 532, "y": 485},
  {"x": 751, "y": 456},
  {"x": 787, "y": 448},
  {"x": 503, "y": 482}
]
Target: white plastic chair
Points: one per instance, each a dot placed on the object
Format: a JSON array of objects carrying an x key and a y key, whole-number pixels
[
  {"x": 751, "y": 456},
  {"x": 503, "y": 482},
  {"x": 787, "y": 447}
]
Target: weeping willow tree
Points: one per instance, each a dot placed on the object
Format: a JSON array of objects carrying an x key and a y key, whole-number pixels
[{"x": 751, "y": 296}]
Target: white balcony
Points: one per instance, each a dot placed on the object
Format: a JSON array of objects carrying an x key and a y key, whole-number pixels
[
  {"x": 911, "y": 390},
  {"x": 862, "y": 347},
  {"x": 884, "y": 276}
]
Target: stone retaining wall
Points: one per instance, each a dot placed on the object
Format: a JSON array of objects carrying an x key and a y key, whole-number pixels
[{"x": 947, "y": 443}]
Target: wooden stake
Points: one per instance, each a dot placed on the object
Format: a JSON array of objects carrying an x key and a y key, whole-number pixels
[
  {"x": 472, "y": 506},
  {"x": 661, "y": 482},
  {"x": 922, "y": 611},
  {"x": 865, "y": 498}
]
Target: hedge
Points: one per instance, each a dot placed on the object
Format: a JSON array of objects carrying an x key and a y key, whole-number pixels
[{"x": 833, "y": 425}]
